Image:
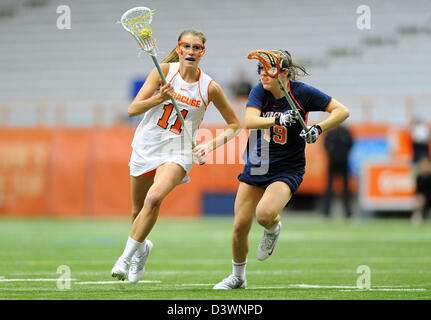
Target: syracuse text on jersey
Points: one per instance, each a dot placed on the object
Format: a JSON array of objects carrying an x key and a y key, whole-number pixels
[{"x": 187, "y": 100}]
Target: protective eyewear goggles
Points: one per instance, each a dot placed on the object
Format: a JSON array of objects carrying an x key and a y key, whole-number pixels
[
  {"x": 199, "y": 48},
  {"x": 260, "y": 68}
]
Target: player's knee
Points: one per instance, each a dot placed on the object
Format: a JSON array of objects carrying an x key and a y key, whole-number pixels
[
  {"x": 241, "y": 228},
  {"x": 263, "y": 220},
  {"x": 136, "y": 208},
  {"x": 265, "y": 217},
  {"x": 134, "y": 215},
  {"x": 153, "y": 200}
]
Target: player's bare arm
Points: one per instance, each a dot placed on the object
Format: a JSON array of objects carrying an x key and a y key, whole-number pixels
[
  {"x": 337, "y": 114},
  {"x": 146, "y": 99},
  {"x": 220, "y": 101},
  {"x": 233, "y": 127},
  {"x": 253, "y": 120}
]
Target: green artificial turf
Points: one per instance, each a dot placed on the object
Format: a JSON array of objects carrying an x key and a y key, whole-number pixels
[{"x": 314, "y": 259}]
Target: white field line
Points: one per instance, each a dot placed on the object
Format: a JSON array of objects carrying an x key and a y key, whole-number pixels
[
  {"x": 74, "y": 281},
  {"x": 292, "y": 286},
  {"x": 183, "y": 287},
  {"x": 345, "y": 288},
  {"x": 394, "y": 289},
  {"x": 115, "y": 282},
  {"x": 195, "y": 284},
  {"x": 50, "y": 273},
  {"x": 315, "y": 286},
  {"x": 35, "y": 280},
  {"x": 301, "y": 286}
]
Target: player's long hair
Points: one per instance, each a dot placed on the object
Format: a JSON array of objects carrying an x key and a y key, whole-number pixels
[
  {"x": 173, "y": 55},
  {"x": 286, "y": 62}
]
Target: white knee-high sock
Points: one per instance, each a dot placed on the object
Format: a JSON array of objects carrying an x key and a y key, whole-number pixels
[
  {"x": 141, "y": 248},
  {"x": 273, "y": 229},
  {"x": 238, "y": 269},
  {"x": 131, "y": 247}
]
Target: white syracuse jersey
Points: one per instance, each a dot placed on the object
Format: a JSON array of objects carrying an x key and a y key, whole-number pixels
[{"x": 160, "y": 137}]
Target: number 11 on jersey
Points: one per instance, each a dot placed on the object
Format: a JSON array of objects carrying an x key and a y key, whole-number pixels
[{"x": 163, "y": 121}]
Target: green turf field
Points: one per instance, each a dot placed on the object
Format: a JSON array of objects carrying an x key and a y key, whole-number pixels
[{"x": 313, "y": 259}]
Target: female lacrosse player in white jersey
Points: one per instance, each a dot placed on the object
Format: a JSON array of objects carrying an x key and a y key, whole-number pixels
[{"x": 162, "y": 153}]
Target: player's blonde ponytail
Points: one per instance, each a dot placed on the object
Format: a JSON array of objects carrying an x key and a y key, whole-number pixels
[{"x": 173, "y": 55}]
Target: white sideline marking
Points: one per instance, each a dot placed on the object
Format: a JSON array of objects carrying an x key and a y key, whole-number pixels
[
  {"x": 303, "y": 286},
  {"x": 75, "y": 281},
  {"x": 352, "y": 288},
  {"x": 292, "y": 286},
  {"x": 33, "y": 280},
  {"x": 316, "y": 286},
  {"x": 115, "y": 282},
  {"x": 195, "y": 284},
  {"x": 420, "y": 289}
]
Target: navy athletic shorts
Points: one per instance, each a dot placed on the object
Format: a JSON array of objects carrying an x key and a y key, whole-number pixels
[{"x": 292, "y": 178}]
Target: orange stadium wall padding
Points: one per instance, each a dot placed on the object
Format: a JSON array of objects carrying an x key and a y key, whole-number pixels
[
  {"x": 84, "y": 171},
  {"x": 25, "y": 158},
  {"x": 70, "y": 159},
  {"x": 108, "y": 172}
]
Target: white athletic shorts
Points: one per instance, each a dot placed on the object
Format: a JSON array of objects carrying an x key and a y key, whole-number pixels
[{"x": 143, "y": 162}]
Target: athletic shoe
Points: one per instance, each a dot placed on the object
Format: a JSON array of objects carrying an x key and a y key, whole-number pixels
[
  {"x": 137, "y": 265},
  {"x": 231, "y": 282},
  {"x": 267, "y": 245},
  {"x": 120, "y": 269}
]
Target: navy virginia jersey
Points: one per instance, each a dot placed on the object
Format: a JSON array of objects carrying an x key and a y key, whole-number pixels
[{"x": 278, "y": 149}]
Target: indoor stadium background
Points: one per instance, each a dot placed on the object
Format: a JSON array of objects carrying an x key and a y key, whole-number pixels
[{"x": 65, "y": 135}]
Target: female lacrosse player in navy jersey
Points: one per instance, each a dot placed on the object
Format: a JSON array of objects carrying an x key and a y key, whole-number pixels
[
  {"x": 275, "y": 163},
  {"x": 162, "y": 153}
]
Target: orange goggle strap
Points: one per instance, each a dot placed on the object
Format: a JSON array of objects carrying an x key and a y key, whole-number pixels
[
  {"x": 193, "y": 44},
  {"x": 269, "y": 60}
]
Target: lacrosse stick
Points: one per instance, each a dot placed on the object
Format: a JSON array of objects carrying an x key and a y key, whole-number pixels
[
  {"x": 271, "y": 64},
  {"x": 137, "y": 21}
]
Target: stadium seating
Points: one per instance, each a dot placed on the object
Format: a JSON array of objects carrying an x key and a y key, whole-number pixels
[{"x": 95, "y": 61}]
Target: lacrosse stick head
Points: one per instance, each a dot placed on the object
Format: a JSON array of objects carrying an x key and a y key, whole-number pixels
[
  {"x": 269, "y": 60},
  {"x": 137, "y": 22}
]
